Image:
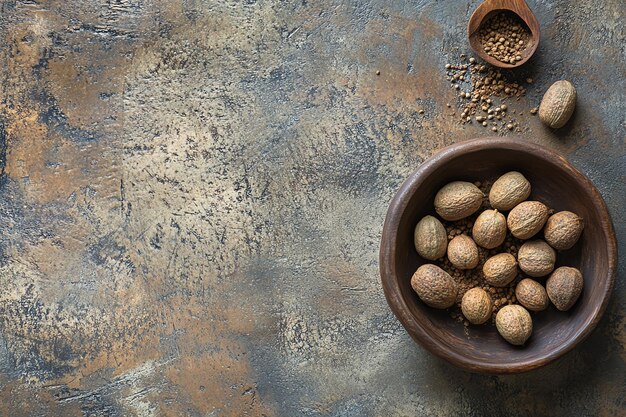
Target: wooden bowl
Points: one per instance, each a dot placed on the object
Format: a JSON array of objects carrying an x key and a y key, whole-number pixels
[
  {"x": 555, "y": 182},
  {"x": 485, "y": 11}
]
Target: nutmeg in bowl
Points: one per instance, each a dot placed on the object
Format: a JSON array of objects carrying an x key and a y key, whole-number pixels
[{"x": 558, "y": 185}]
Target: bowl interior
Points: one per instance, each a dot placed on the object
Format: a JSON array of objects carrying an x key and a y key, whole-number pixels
[{"x": 554, "y": 183}]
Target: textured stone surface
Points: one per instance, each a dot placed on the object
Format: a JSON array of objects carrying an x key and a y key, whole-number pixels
[{"x": 193, "y": 192}]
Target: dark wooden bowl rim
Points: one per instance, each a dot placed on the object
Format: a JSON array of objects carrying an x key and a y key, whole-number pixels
[{"x": 387, "y": 253}]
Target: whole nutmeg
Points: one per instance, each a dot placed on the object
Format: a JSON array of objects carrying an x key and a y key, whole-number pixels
[
  {"x": 476, "y": 306},
  {"x": 434, "y": 286},
  {"x": 457, "y": 200},
  {"x": 527, "y": 218},
  {"x": 536, "y": 258},
  {"x": 564, "y": 287},
  {"x": 500, "y": 269},
  {"x": 489, "y": 229},
  {"x": 563, "y": 229},
  {"x": 531, "y": 295},
  {"x": 463, "y": 252},
  {"x": 514, "y": 324},
  {"x": 508, "y": 191},
  {"x": 431, "y": 239},
  {"x": 558, "y": 104}
]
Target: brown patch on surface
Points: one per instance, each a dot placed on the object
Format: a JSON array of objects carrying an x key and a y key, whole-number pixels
[
  {"x": 125, "y": 338},
  {"x": 218, "y": 382},
  {"x": 606, "y": 404},
  {"x": 83, "y": 88},
  {"x": 619, "y": 329},
  {"x": 213, "y": 371},
  {"x": 407, "y": 75},
  {"x": 25, "y": 45},
  {"x": 52, "y": 166},
  {"x": 29, "y": 143},
  {"x": 22, "y": 399}
]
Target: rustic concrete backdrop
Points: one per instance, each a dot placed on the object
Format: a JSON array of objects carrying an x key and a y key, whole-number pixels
[{"x": 192, "y": 195}]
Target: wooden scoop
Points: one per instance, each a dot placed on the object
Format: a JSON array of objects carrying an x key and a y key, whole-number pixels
[{"x": 487, "y": 9}]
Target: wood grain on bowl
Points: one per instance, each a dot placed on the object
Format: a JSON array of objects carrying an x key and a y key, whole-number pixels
[{"x": 555, "y": 182}]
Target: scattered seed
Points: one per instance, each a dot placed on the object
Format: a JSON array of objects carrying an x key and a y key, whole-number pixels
[{"x": 487, "y": 86}]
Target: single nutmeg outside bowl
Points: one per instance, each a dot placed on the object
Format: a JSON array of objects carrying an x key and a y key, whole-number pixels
[{"x": 554, "y": 182}]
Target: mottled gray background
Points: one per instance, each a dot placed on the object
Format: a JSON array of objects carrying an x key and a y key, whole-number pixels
[{"x": 193, "y": 192}]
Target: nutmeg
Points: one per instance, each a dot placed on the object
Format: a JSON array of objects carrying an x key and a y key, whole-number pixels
[
  {"x": 564, "y": 287},
  {"x": 508, "y": 191},
  {"x": 489, "y": 229},
  {"x": 558, "y": 104},
  {"x": 457, "y": 200},
  {"x": 531, "y": 295},
  {"x": 476, "y": 306},
  {"x": 563, "y": 229},
  {"x": 514, "y": 324},
  {"x": 536, "y": 258},
  {"x": 527, "y": 218},
  {"x": 430, "y": 238},
  {"x": 462, "y": 252},
  {"x": 500, "y": 269},
  {"x": 434, "y": 286}
]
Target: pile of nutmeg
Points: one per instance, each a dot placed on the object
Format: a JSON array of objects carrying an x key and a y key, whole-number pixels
[{"x": 535, "y": 258}]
